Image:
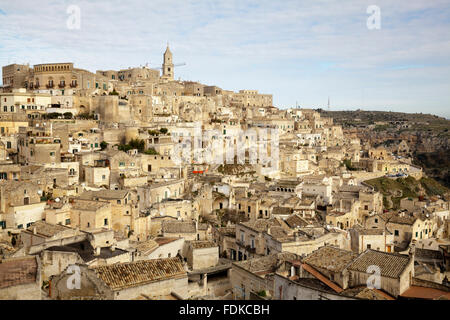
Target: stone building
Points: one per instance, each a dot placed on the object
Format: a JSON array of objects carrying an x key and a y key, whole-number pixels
[
  {"x": 20, "y": 278},
  {"x": 149, "y": 278},
  {"x": 201, "y": 254},
  {"x": 20, "y": 204}
]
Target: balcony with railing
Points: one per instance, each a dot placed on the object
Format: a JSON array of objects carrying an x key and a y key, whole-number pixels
[
  {"x": 62, "y": 85},
  {"x": 50, "y": 85},
  {"x": 73, "y": 84}
]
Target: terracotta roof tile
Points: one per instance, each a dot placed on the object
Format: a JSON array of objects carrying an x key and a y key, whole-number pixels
[
  {"x": 391, "y": 264},
  {"x": 130, "y": 274}
]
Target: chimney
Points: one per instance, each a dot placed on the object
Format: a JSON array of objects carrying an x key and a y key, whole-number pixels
[
  {"x": 412, "y": 251},
  {"x": 113, "y": 247},
  {"x": 34, "y": 230},
  {"x": 97, "y": 251},
  {"x": 296, "y": 236}
]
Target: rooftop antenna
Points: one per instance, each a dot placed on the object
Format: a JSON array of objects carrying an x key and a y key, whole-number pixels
[{"x": 328, "y": 103}]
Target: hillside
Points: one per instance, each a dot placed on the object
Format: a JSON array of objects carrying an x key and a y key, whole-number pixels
[
  {"x": 394, "y": 190},
  {"x": 428, "y": 136}
]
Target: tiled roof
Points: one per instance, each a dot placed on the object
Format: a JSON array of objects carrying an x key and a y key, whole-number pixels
[
  {"x": 330, "y": 258},
  {"x": 47, "y": 229},
  {"x": 260, "y": 225},
  {"x": 391, "y": 264},
  {"x": 426, "y": 293},
  {"x": 178, "y": 227},
  {"x": 86, "y": 251},
  {"x": 164, "y": 240},
  {"x": 281, "y": 210},
  {"x": 402, "y": 220},
  {"x": 294, "y": 221},
  {"x": 89, "y": 205},
  {"x": 267, "y": 263},
  {"x": 366, "y": 293},
  {"x": 322, "y": 278},
  {"x": 104, "y": 194},
  {"x": 428, "y": 254},
  {"x": 227, "y": 231},
  {"x": 130, "y": 274},
  {"x": 202, "y": 244},
  {"x": 18, "y": 271},
  {"x": 145, "y": 247}
]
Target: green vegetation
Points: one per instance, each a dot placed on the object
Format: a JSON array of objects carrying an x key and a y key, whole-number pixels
[
  {"x": 348, "y": 165},
  {"x": 86, "y": 116},
  {"x": 262, "y": 293},
  {"x": 138, "y": 144},
  {"x": 432, "y": 187},
  {"x": 380, "y": 128},
  {"x": 53, "y": 115},
  {"x": 151, "y": 151},
  {"x": 153, "y": 132},
  {"x": 103, "y": 145},
  {"x": 68, "y": 115},
  {"x": 114, "y": 93},
  {"x": 409, "y": 188},
  {"x": 436, "y": 165},
  {"x": 158, "y": 132}
]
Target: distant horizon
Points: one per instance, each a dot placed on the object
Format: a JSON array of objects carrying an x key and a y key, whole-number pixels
[
  {"x": 324, "y": 108},
  {"x": 302, "y": 52}
]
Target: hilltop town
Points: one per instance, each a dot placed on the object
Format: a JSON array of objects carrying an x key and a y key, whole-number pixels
[{"x": 131, "y": 185}]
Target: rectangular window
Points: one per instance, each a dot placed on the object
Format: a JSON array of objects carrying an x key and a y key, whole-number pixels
[
  {"x": 67, "y": 222},
  {"x": 396, "y": 232},
  {"x": 106, "y": 222}
]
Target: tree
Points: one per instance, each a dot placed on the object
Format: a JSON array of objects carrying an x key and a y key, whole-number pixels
[
  {"x": 138, "y": 144},
  {"x": 68, "y": 115},
  {"x": 163, "y": 130},
  {"x": 103, "y": 145},
  {"x": 151, "y": 151}
]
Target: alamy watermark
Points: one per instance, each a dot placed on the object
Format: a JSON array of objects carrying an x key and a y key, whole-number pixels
[
  {"x": 74, "y": 281},
  {"x": 73, "y": 22},
  {"x": 229, "y": 146},
  {"x": 374, "y": 20},
  {"x": 374, "y": 280}
]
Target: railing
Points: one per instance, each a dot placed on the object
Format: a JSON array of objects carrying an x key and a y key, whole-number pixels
[
  {"x": 50, "y": 85},
  {"x": 73, "y": 85},
  {"x": 62, "y": 85}
]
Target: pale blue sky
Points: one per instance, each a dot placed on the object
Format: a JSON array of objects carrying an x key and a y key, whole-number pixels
[{"x": 300, "y": 51}]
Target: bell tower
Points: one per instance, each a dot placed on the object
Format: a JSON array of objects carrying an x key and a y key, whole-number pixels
[{"x": 167, "y": 66}]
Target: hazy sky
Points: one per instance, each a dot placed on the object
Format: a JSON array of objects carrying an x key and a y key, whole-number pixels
[{"x": 300, "y": 51}]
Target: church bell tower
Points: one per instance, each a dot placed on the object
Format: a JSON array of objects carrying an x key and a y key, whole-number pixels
[{"x": 167, "y": 66}]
